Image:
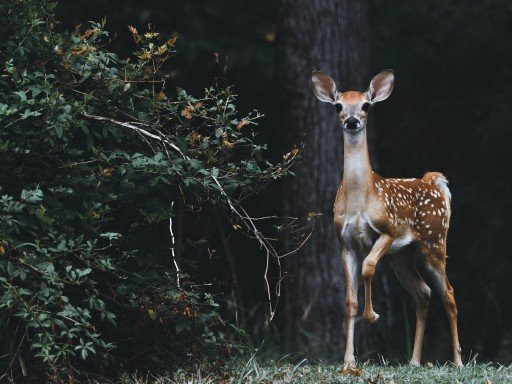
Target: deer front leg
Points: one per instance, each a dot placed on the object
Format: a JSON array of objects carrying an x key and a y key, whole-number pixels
[
  {"x": 369, "y": 264},
  {"x": 349, "y": 260}
]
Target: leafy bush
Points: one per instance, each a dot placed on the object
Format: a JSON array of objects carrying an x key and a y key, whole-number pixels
[{"x": 101, "y": 158}]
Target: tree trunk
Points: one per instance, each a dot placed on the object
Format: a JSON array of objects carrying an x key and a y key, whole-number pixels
[{"x": 331, "y": 36}]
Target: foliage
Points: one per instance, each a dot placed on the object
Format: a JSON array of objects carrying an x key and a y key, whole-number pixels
[{"x": 101, "y": 157}]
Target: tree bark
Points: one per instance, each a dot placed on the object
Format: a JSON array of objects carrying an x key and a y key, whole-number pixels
[{"x": 331, "y": 36}]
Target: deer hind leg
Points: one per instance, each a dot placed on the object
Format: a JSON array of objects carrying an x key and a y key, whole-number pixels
[
  {"x": 369, "y": 264},
  {"x": 403, "y": 265},
  {"x": 350, "y": 267},
  {"x": 435, "y": 261}
]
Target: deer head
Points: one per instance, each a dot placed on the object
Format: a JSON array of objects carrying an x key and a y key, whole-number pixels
[{"x": 353, "y": 106}]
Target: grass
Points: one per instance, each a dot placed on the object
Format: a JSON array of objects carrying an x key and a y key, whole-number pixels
[{"x": 304, "y": 372}]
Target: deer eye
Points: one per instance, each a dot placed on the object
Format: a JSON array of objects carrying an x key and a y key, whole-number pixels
[
  {"x": 366, "y": 107},
  {"x": 339, "y": 107}
]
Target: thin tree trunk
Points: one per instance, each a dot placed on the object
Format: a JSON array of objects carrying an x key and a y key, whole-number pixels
[{"x": 332, "y": 36}]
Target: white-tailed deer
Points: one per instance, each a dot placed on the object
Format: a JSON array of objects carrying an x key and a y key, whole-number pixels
[{"x": 375, "y": 216}]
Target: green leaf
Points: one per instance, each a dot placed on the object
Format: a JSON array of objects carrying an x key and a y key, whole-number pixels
[
  {"x": 180, "y": 327},
  {"x": 32, "y": 196}
]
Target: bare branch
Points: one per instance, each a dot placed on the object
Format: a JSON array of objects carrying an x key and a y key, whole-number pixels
[
  {"x": 172, "y": 250},
  {"x": 132, "y": 126}
]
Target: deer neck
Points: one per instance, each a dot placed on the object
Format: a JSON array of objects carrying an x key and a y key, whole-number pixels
[{"x": 357, "y": 170}]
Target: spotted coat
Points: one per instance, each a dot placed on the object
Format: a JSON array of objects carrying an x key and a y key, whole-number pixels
[
  {"x": 422, "y": 205},
  {"x": 415, "y": 208}
]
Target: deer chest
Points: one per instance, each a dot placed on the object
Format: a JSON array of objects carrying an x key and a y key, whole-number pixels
[{"x": 357, "y": 232}]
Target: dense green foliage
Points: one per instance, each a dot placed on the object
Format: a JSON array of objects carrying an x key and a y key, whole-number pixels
[{"x": 100, "y": 158}]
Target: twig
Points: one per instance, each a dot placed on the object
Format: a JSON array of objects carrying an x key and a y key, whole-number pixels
[
  {"x": 172, "y": 250},
  {"x": 15, "y": 353},
  {"x": 245, "y": 218}
]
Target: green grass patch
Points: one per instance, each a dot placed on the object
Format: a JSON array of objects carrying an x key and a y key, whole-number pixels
[{"x": 305, "y": 372}]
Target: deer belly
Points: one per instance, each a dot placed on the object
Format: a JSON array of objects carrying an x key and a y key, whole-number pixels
[{"x": 401, "y": 241}]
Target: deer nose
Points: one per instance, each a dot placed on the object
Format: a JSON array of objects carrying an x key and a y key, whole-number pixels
[{"x": 351, "y": 123}]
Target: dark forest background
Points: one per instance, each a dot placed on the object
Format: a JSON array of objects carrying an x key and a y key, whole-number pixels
[{"x": 450, "y": 112}]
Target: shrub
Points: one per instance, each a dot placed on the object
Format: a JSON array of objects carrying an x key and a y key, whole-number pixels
[{"x": 100, "y": 159}]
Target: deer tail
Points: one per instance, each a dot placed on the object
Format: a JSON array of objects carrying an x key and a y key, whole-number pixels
[{"x": 439, "y": 180}]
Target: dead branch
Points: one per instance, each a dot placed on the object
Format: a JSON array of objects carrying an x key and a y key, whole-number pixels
[{"x": 173, "y": 255}]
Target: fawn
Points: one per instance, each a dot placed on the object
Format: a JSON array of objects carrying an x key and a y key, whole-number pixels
[{"x": 375, "y": 216}]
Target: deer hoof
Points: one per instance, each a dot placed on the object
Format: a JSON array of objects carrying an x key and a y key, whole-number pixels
[
  {"x": 349, "y": 362},
  {"x": 370, "y": 317}
]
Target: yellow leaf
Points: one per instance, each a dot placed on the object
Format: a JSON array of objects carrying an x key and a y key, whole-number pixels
[
  {"x": 294, "y": 152},
  {"x": 242, "y": 124},
  {"x": 187, "y": 112},
  {"x": 150, "y": 35},
  {"x": 352, "y": 371},
  {"x": 161, "y": 50},
  {"x": 88, "y": 34},
  {"x": 105, "y": 171},
  {"x": 270, "y": 37},
  {"x": 194, "y": 137},
  {"x": 145, "y": 55},
  {"x": 227, "y": 144},
  {"x": 172, "y": 40},
  {"x": 84, "y": 49},
  {"x": 133, "y": 30},
  {"x": 161, "y": 96},
  {"x": 152, "y": 314},
  {"x": 2, "y": 249}
]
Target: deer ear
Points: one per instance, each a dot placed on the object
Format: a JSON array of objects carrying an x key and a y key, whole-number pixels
[
  {"x": 381, "y": 86},
  {"x": 324, "y": 87}
]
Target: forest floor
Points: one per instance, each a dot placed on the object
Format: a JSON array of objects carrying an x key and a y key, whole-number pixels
[{"x": 277, "y": 373}]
